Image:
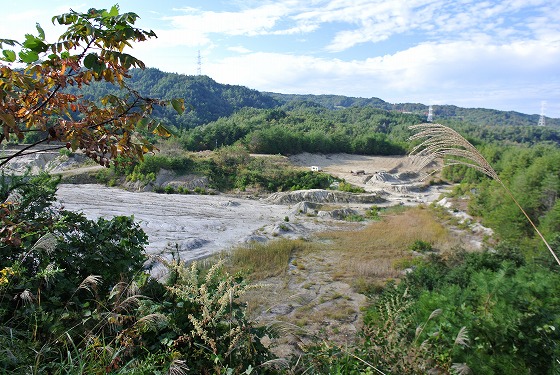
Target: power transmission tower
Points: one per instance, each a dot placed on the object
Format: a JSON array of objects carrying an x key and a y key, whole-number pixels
[
  {"x": 199, "y": 64},
  {"x": 542, "y": 121},
  {"x": 430, "y": 114}
]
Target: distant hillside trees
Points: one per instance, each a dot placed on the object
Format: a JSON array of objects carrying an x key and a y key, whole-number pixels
[
  {"x": 207, "y": 99},
  {"x": 361, "y": 130},
  {"x": 210, "y": 100}
]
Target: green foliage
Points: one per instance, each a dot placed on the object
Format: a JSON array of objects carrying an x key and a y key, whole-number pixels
[
  {"x": 532, "y": 176},
  {"x": 275, "y": 131},
  {"x": 356, "y": 218},
  {"x": 373, "y": 213},
  {"x": 421, "y": 246},
  {"x": 57, "y": 259},
  {"x": 509, "y": 309},
  {"x": 200, "y": 190},
  {"x": 154, "y": 163},
  {"x": 75, "y": 298},
  {"x": 205, "y": 324},
  {"x": 233, "y": 168},
  {"x": 146, "y": 170},
  {"x": 482, "y": 123},
  {"x": 207, "y": 100},
  {"x": 349, "y": 188}
]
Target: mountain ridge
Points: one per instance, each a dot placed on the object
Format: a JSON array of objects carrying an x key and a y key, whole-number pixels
[{"x": 209, "y": 100}]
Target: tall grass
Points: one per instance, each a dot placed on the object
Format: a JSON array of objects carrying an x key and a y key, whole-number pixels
[
  {"x": 375, "y": 251},
  {"x": 258, "y": 261},
  {"x": 441, "y": 142}
]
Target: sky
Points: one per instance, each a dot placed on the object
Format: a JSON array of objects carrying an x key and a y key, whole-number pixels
[{"x": 499, "y": 54}]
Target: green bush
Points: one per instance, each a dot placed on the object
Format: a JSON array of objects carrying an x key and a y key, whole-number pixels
[
  {"x": 373, "y": 213},
  {"x": 503, "y": 303},
  {"x": 421, "y": 246},
  {"x": 75, "y": 298},
  {"x": 65, "y": 152},
  {"x": 349, "y": 188},
  {"x": 354, "y": 218},
  {"x": 154, "y": 163}
]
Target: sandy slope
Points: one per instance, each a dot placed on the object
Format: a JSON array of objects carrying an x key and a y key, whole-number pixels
[{"x": 398, "y": 176}]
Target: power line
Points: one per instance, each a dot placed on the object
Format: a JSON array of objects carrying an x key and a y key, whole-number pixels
[
  {"x": 430, "y": 114},
  {"x": 542, "y": 121},
  {"x": 199, "y": 64}
]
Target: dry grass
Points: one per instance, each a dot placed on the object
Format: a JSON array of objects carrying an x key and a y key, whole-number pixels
[
  {"x": 259, "y": 261},
  {"x": 374, "y": 251},
  {"x": 440, "y": 142}
]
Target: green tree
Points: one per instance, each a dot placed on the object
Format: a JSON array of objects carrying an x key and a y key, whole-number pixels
[{"x": 35, "y": 99}]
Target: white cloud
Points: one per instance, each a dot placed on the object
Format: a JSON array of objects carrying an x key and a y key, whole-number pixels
[
  {"x": 249, "y": 22},
  {"x": 458, "y": 52},
  {"x": 375, "y": 21},
  {"x": 239, "y": 49},
  {"x": 453, "y": 73}
]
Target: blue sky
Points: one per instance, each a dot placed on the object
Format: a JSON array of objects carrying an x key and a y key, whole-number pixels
[{"x": 502, "y": 54}]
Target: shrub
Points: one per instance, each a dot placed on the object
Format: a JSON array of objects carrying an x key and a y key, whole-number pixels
[
  {"x": 169, "y": 189},
  {"x": 373, "y": 213},
  {"x": 75, "y": 298},
  {"x": 65, "y": 152},
  {"x": 421, "y": 246},
  {"x": 354, "y": 218},
  {"x": 349, "y": 188}
]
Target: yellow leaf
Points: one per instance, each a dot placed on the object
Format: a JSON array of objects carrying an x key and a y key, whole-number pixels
[{"x": 161, "y": 131}]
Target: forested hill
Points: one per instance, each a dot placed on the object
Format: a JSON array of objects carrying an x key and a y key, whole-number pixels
[
  {"x": 333, "y": 101},
  {"x": 472, "y": 116},
  {"x": 206, "y": 99},
  {"x": 209, "y": 100}
]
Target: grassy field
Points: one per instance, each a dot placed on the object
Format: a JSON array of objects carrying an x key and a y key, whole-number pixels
[{"x": 321, "y": 286}]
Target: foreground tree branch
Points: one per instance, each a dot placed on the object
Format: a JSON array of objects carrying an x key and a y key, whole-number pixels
[{"x": 39, "y": 98}]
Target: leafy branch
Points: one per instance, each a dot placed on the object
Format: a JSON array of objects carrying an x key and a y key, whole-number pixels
[{"x": 35, "y": 99}]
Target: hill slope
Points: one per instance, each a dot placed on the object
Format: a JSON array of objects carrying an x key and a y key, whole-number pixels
[
  {"x": 210, "y": 100},
  {"x": 474, "y": 116}
]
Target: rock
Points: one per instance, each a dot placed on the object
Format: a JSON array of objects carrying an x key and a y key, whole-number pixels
[
  {"x": 323, "y": 196},
  {"x": 282, "y": 228},
  {"x": 281, "y": 309},
  {"x": 229, "y": 204},
  {"x": 163, "y": 177},
  {"x": 306, "y": 208},
  {"x": 192, "y": 243},
  {"x": 444, "y": 203},
  {"x": 254, "y": 238},
  {"x": 338, "y": 214}
]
